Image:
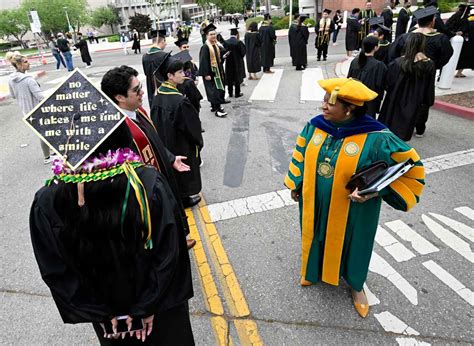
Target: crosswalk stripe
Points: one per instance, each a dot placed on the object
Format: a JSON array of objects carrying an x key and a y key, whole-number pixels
[
  {"x": 447, "y": 237},
  {"x": 450, "y": 281},
  {"x": 57, "y": 80},
  {"x": 411, "y": 342},
  {"x": 393, "y": 324},
  {"x": 451, "y": 160},
  {"x": 466, "y": 211},
  {"x": 371, "y": 298},
  {"x": 398, "y": 251},
  {"x": 267, "y": 87},
  {"x": 310, "y": 90},
  {"x": 420, "y": 244},
  {"x": 380, "y": 266},
  {"x": 459, "y": 227}
]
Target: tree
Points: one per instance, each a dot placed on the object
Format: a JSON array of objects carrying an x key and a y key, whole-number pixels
[
  {"x": 230, "y": 6},
  {"x": 205, "y": 4},
  {"x": 52, "y": 13},
  {"x": 14, "y": 23},
  {"x": 105, "y": 15},
  {"x": 140, "y": 22}
]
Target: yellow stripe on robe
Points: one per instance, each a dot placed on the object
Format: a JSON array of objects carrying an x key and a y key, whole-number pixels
[
  {"x": 297, "y": 156},
  {"x": 404, "y": 192},
  {"x": 295, "y": 170},
  {"x": 300, "y": 141},
  {"x": 415, "y": 186},
  {"x": 416, "y": 172},
  {"x": 339, "y": 207},
  {"x": 309, "y": 198},
  {"x": 289, "y": 183},
  {"x": 405, "y": 155}
]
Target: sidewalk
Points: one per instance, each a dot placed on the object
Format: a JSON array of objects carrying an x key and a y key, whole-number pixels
[{"x": 460, "y": 85}]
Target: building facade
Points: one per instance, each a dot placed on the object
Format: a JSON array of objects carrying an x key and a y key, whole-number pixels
[
  {"x": 312, "y": 7},
  {"x": 197, "y": 13}
]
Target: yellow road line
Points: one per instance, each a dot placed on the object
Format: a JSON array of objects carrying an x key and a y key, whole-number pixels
[{"x": 248, "y": 332}]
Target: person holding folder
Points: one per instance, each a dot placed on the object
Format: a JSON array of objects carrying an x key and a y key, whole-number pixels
[{"x": 338, "y": 225}]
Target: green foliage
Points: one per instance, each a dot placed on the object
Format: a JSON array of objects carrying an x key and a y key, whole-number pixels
[
  {"x": 296, "y": 7},
  {"x": 309, "y": 22},
  {"x": 106, "y": 15},
  {"x": 230, "y": 6},
  {"x": 282, "y": 23},
  {"x": 257, "y": 20},
  {"x": 140, "y": 22},
  {"x": 15, "y": 23},
  {"x": 447, "y": 6},
  {"x": 53, "y": 15}
]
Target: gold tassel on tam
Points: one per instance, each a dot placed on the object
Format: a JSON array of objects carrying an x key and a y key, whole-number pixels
[
  {"x": 80, "y": 195},
  {"x": 333, "y": 97}
]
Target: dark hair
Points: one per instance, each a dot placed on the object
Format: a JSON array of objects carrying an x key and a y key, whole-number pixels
[
  {"x": 296, "y": 16},
  {"x": 414, "y": 44},
  {"x": 338, "y": 11},
  {"x": 380, "y": 31},
  {"x": 174, "y": 67},
  {"x": 355, "y": 10},
  {"x": 253, "y": 26},
  {"x": 368, "y": 45},
  {"x": 117, "y": 81},
  {"x": 358, "y": 110},
  {"x": 422, "y": 22}
]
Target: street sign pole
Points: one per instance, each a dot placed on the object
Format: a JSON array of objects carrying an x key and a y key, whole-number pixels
[{"x": 35, "y": 26}]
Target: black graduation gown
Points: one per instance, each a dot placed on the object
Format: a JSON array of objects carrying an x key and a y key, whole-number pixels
[
  {"x": 84, "y": 49},
  {"x": 366, "y": 14},
  {"x": 214, "y": 96},
  {"x": 300, "y": 52},
  {"x": 292, "y": 42},
  {"x": 96, "y": 275},
  {"x": 190, "y": 90},
  {"x": 353, "y": 34},
  {"x": 234, "y": 63},
  {"x": 268, "y": 37},
  {"x": 136, "y": 42},
  {"x": 323, "y": 38},
  {"x": 406, "y": 94},
  {"x": 387, "y": 15},
  {"x": 179, "y": 127},
  {"x": 466, "y": 59},
  {"x": 438, "y": 48},
  {"x": 402, "y": 22},
  {"x": 253, "y": 43},
  {"x": 382, "y": 53},
  {"x": 373, "y": 76},
  {"x": 150, "y": 62}
]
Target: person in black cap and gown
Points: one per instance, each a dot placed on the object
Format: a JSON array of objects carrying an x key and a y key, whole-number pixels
[
  {"x": 438, "y": 49},
  {"x": 292, "y": 37},
  {"x": 253, "y": 43},
  {"x": 384, "y": 46},
  {"x": 234, "y": 64},
  {"x": 364, "y": 17},
  {"x": 403, "y": 18},
  {"x": 268, "y": 38},
  {"x": 150, "y": 59},
  {"x": 353, "y": 32},
  {"x": 211, "y": 68},
  {"x": 324, "y": 28},
  {"x": 299, "y": 44},
  {"x": 387, "y": 15},
  {"x": 178, "y": 125}
]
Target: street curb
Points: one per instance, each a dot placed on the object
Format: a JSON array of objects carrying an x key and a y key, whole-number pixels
[
  {"x": 36, "y": 76},
  {"x": 450, "y": 108}
]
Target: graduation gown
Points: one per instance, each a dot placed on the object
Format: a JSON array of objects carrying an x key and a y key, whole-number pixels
[
  {"x": 292, "y": 41},
  {"x": 253, "y": 43},
  {"x": 179, "y": 127},
  {"x": 300, "y": 54},
  {"x": 84, "y": 49},
  {"x": 353, "y": 36},
  {"x": 150, "y": 62},
  {"x": 190, "y": 90},
  {"x": 234, "y": 63},
  {"x": 382, "y": 53},
  {"x": 373, "y": 76},
  {"x": 466, "y": 59},
  {"x": 387, "y": 15},
  {"x": 268, "y": 38},
  {"x": 366, "y": 14},
  {"x": 136, "y": 42},
  {"x": 406, "y": 94},
  {"x": 438, "y": 48},
  {"x": 214, "y": 95},
  {"x": 337, "y": 235},
  {"x": 402, "y": 22}
]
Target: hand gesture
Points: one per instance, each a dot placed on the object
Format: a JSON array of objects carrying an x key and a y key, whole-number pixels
[
  {"x": 207, "y": 78},
  {"x": 179, "y": 165},
  {"x": 147, "y": 328}
]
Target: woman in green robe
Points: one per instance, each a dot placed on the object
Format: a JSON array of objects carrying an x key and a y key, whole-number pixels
[{"x": 338, "y": 226}]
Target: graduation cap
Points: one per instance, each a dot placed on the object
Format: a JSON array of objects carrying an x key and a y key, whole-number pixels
[
  {"x": 384, "y": 28},
  {"x": 327, "y": 11},
  {"x": 267, "y": 16},
  {"x": 234, "y": 31},
  {"x": 426, "y": 12},
  {"x": 75, "y": 119},
  {"x": 164, "y": 63},
  {"x": 183, "y": 56},
  {"x": 156, "y": 33},
  {"x": 375, "y": 21},
  {"x": 209, "y": 28},
  {"x": 303, "y": 16},
  {"x": 181, "y": 41}
]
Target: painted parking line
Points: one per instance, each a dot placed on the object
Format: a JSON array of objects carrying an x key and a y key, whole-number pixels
[{"x": 450, "y": 281}]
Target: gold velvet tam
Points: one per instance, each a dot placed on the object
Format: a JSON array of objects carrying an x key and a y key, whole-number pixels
[{"x": 347, "y": 89}]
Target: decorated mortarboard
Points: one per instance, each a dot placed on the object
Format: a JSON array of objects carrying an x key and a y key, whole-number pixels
[
  {"x": 375, "y": 21},
  {"x": 181, "y": 41},
  {"x": 183, "y": 56},
  {"x": 209, "y": 28},
  {"x": 347, "y": 89},
  {"x": 425, "y": 12},
  {"x": 75, "y": 119},
  {"x": 234, "y": 31},
  {"x": 327, "y": 11}
]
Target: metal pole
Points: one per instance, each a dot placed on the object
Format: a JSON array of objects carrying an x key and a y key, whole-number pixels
[{"x": 447, "y": 74}]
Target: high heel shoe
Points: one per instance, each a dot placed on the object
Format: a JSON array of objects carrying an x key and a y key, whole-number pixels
[
  {"x": 362, "y": 309},
  {"x": 305, "y": 282}
]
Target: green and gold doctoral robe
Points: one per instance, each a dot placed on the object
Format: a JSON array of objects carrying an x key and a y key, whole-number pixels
[{"x": 337, "y": 234}]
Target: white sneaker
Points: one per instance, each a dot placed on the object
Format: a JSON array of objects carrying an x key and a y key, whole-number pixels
[
  {"x": 47, "y": 160},
  {"x": 419, "y": 136},
  {"x": 88, "y": 66},
  {"x": 221, "y": 113}
]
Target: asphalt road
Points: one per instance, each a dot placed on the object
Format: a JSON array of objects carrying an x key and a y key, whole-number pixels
[{"x": 245, "y": 155}]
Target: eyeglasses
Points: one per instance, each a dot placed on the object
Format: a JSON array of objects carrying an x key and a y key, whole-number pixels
[{"x": 138, "y": 89}]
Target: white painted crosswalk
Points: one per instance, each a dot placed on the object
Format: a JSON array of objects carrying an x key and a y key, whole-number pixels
[
  {"x": 396, "y": 249},
  {"x": 420, "y": 244},
  {"x": 267, "y": 87},
  {"x": 310, "y": 89},
  {"x": 466, "y": 211}
]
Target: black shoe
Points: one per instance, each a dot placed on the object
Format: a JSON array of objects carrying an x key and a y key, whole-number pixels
[
  {"x": 239, "y": 95},
  {"x": 202, "y": 130},
  {"x": 227, "y": 101},
  {"x": 191, "y": 201},
  {"x": 213, "y": 109},
  {"x": 231, "y": 95},
  {"x": 319, "y": 59},
  {"x": 325, "y": 59},
  {"x": 221, "y": 113}
]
